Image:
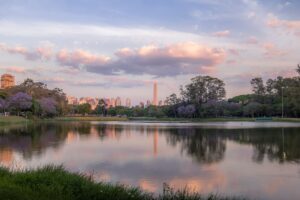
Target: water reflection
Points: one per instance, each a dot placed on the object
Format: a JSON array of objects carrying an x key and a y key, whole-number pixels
[{"x": 204, "y": 159}]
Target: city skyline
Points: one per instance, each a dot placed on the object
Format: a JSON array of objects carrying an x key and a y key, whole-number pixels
[
  {"x": 113, "y": 102},
  {"x": 119, "y": 48}
]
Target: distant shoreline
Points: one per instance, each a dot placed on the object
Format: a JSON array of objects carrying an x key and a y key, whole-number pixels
[{"x": 10, "y": 120}]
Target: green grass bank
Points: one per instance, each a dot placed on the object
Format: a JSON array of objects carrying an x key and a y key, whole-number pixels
[
  {"x": 6, "y": 120},
  {"x": 51, "y": 182}
]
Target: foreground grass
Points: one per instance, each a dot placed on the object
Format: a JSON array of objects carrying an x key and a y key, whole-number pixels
[
  {"x": 50, "y": 183},
  {"x": 6, "y": 120}
]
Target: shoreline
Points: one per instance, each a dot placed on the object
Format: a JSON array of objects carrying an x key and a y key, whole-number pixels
[{"x": 10, "y": 120}]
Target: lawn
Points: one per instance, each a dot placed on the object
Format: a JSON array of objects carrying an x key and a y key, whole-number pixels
[{"x": 5, "y": 120}]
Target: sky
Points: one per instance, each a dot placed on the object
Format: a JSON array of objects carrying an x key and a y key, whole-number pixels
[{"x": 113, "y": 48}]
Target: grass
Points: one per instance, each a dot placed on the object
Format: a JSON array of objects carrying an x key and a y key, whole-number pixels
[
  {"x": 88, "y": 118},
  {"x": 6, "y": 120},
  {"x": 51, "y": 182},
  {"x": 166, "y": 119}
]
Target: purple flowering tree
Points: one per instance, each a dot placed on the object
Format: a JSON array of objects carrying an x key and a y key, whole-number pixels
[
  {"x": 48, "y": 106},
  {"x": 3, "y": 105},
  {"x": 20, "y": 102},
  {"x": 186, "y": 111}
]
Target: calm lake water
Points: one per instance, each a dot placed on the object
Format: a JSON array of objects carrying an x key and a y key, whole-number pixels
[{"x": 256, "y": 160}]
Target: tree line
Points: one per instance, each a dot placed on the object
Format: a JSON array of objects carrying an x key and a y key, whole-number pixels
[{"x": 204, "y": 97}]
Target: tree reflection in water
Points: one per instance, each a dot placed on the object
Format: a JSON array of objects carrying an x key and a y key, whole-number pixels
[{"x": 202, "y": 145}]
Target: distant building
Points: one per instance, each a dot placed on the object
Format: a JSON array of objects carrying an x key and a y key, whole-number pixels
[
  {"x": 92, "y": 101},
  {"x": 113, "y": 102},
  {"x": 72, "y": 100},
  {"x": 7, "y": 81},
  {"x": 128, "y": 103},
  {"x": 148, "y": 103},
  {"x": 155, "y": 98},
  {"x": 118, "y": 101},
  {"x": 107, "y": 103},
  {"x": 142, "y": 105}
]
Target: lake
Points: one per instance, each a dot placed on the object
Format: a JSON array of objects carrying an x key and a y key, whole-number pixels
[{"x": 257, "y": 160}]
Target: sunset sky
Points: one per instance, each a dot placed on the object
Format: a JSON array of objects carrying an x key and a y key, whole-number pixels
[{"x": 115, "y": 48}]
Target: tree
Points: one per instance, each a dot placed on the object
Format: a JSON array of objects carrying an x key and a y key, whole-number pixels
[
  {"x": 48, "y": 107},
  {"x": 252, "y": 109},
  {"x": 203, "y": 89},
  {"x": 101, "y": 107},
  {"x": 258, "y": 86},
  {"x": 84, "y": 108},
  {"x": 172, "y": 100},
  {"x": 20, "y": 102},
  {"x": 186, "y": 111},
  {"x": 38, "y": 90},
  {"x": 298, "y": 69},
  {"x": 3, "y": 105}
]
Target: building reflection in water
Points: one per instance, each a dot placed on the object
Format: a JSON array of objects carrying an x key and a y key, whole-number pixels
[{"x": 6, "y": 157}]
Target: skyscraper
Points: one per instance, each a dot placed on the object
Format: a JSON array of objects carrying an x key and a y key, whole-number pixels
[
  {"x": 118, "y": 101},
  {"x": 113, "y": 102},
  {"x": 7, "y": 81},
  {"x": 155, "y": 100},
  {"x": 128, "y": 103}
]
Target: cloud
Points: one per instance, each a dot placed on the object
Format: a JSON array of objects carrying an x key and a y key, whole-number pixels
[
  {"x": 234, "y": 52},
  {"x": 252, "y": 40},
  {"x": 270, "y": 50},
  {"x": 40, "y": 53},
  {"x": 79, "y": 58},
  {"x": 289, "y": 26},
  {"x": 19, "y": 70},
  {"x": 225, "y": 33},
  {"x": 15, "y": 69},
  {"x": 171, "y": 60}
]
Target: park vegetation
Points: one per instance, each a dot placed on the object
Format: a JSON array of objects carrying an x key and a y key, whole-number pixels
[
  {"x": 33, "y": 99},
  {"x": 204, "y": 97}
]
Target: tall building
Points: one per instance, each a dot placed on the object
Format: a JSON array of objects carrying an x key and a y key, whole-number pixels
[
  {"x": 148, "y": 103},
  {"x": 72, "y": 100},
  {"x": 107, "y": 102},
  {"x": 155, "y": 100},
  {"x": 128, "y": 103},
  {"x": 113, "y": 102},
  {"x": 118, "y": 101},
  {"x": 7, "y": 81},
  {"x": 142, "y": 105}
]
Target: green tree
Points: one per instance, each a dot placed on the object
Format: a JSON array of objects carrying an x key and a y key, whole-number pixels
[
  {"x": 101, "y": 107},
  {"x": 84, "y": 108},
  {"x": 258, "y": 86},
  {"x": 203, "y": 89}
]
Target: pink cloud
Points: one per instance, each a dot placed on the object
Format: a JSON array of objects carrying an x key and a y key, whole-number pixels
[
  {"x": 79, "y": 57},
  {"x": 234, "y": 52},
  {"x": 232, "y": 62},
  {"x": 175, "y": 59},
  {"x": 252, "y": 40},
  {"x": 42, "y": 53},
  {"x": 270, "y": 50},
  {"x": 290, "y": 26},
  {"x": 224, "y": 33},
  {"x": 15, "y": 69}
]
